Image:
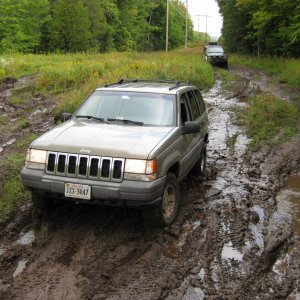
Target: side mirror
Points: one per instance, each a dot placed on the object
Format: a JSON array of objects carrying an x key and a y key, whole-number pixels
[
  {"x": 65, "y": 117},
  {"x": 190, "y": 127}
]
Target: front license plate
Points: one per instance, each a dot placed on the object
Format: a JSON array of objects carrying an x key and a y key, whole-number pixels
[{"x": 79, "y": 191}]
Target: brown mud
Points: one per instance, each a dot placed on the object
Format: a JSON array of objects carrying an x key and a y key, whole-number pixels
[
  {"x": 236, "y": 236},
  {"x": 25, "y": 113}
]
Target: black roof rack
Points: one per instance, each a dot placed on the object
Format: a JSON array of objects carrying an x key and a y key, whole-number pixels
[{"x": 175, "y": 82}]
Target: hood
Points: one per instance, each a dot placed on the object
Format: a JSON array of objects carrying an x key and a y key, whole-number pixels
[
  {"x": 215, "y": 54},
  {"x": 92, "y": 138}
]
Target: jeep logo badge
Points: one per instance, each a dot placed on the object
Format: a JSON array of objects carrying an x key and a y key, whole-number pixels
[{"x": 88, "y": 151}]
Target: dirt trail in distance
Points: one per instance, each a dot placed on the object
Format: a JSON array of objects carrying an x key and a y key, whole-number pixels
[{"x": 236, "y": 237}]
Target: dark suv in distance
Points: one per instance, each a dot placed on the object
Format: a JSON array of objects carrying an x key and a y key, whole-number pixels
[
  {"x": 216, "y": 55},
  {"x": 129, "y": 144}
]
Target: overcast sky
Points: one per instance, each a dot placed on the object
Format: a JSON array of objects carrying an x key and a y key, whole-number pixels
[{"x": 201, "y": 7}]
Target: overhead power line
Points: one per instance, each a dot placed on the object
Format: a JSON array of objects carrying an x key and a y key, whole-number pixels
[
  {"x": 176, "y": 8},
  {"x": 167, "y": 22},
  {"x": 206, "y": 16}
]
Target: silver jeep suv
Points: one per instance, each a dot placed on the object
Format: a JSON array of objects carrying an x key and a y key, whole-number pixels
[{"x": 129, "y": 144}]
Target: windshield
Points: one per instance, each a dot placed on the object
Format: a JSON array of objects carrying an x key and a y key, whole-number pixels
[
  {"x": 215, "y": 50},
  {"x": 146, "y": 108}
]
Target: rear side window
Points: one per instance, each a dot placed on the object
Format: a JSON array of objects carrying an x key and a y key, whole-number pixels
[
  {"x": 194, "y": 105},
  {"x": 200, "y": 101}
]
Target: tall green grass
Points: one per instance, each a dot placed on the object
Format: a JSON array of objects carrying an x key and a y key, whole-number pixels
[
  {"x": 74, "y": 76},
  {"x": 175, "y": 65},
  {"x": 11, "y": 190},
  {"x": 287, "y": 69},
  {"x": 270, "y": 120}
]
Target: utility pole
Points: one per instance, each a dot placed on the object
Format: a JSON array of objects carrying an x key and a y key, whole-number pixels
[
  {"x": 186, "y": 23},
  {"x": 167, "y": 26},
  {"x": 206, "y": 16},
  {"x": 206, "y": 26}
]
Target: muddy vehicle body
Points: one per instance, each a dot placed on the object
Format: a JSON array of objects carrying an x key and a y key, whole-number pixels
[
  {"x": 129, "y": 144},
  {"x": 216, "y": 55}
]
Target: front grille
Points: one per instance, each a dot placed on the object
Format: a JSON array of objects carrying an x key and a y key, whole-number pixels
[{"x": 85, "y": 166}]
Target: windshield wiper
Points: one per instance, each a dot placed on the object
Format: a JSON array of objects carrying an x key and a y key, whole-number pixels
[
  {"x": 90, "y": 117},
  {"x": 125, "y": 121}
]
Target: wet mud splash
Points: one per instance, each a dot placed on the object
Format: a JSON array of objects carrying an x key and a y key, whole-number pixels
[{"x": 236, "y": 237}]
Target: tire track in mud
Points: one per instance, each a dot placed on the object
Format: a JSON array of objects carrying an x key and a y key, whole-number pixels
[{"x": 231, "y": 231}]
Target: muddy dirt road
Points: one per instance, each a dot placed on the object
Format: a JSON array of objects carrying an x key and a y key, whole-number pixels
[{"x": 237, "y": 235}]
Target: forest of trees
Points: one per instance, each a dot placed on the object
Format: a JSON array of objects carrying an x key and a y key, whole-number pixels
[
  {"x": 39, "y": 26},
  {"x": 269, "y": 27}
]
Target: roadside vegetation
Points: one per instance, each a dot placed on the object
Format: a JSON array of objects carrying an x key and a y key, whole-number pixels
[
  {"x": 262, "y": 27},
  {"x": 12, "y": 191},
  {"x": 270, "y": 120},
  {"x": 286, "y": 69},
  {"x": 69, "y": 79},
  {"x": 267, "y": 118}
]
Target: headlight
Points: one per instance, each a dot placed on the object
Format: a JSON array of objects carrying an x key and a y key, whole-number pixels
[
  {"x": 36, "y": 159},
  {"x": 139, "y": 169}
]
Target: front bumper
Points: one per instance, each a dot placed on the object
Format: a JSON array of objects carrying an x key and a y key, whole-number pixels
[
  {"x": 125, "y": 193},
  {"x": 217, "y": 60}
]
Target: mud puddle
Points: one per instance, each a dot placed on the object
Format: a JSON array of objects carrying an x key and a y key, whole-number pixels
[
  {"x": 234, "y": 237},
  {"x": 23, "y": 110}
]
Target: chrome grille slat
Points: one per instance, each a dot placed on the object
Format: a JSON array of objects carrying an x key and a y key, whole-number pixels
[{"x": 85, "y": 166}]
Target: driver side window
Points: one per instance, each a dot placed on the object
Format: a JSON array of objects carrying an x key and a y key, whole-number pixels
[{"x": 184, "y": 109}]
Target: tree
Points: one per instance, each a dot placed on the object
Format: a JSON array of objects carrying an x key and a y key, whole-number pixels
[
  {"x": 268, "y": 27},
  {"x": 70, "y": 28},
  {"x": 234, "y": 30},
  {"x": 20, "y": 24}
]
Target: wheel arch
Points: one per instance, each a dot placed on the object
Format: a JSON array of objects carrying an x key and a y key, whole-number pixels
[{"x": 175, "y": 169}]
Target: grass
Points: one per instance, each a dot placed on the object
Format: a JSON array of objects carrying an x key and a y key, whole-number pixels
[
  {"x": 18, "y": 101},
  {"x": 270, "y": 120},
  {"x": 21, "y": 125},
  {"x": 231, "y": 143},
  {"x": 230, "y": 82},
  {"x": 11, "y": 188},
  {"x": 286, "y": 69},
  {"x": 72, "y": 77}
]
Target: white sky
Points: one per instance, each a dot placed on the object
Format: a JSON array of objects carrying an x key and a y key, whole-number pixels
[{"x": 201, "y": 7}]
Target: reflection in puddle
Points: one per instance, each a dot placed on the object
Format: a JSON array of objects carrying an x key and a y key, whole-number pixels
[
  {"x": 194, "y": 294},
  {"x": 229, "y": 253},
  {"x": 201, "y": 274},
  {"x": 26, "y": 238},
  {"x": 20, "y": 268},
  {"x": 225, "y": 228}
]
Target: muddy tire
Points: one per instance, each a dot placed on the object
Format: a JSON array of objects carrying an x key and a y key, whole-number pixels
[
  {"x": 166, "y": 212},
  {"x": 41, "y": 205},
  {"x": 200, "y": 166}
]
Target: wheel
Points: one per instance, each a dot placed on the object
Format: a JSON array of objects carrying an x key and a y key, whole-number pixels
[
  {"x": 200, "y": 166},
  {"x": 41, "y": 205},
  {"x": 226, "y": 65},
  {"x": 166, "y": 212}
]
